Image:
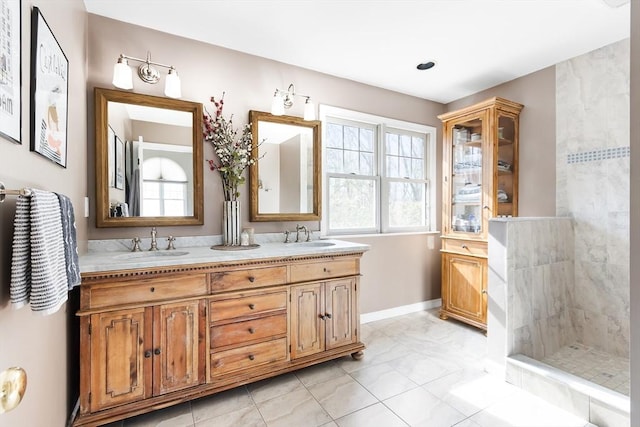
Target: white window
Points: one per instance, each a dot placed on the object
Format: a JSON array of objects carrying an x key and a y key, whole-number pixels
[{"x": 378, "y": 174}]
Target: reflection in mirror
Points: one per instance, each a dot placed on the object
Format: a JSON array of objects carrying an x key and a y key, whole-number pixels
[
  {"x": 148, "y": 160},
  {"x": 285, "y": 181}
]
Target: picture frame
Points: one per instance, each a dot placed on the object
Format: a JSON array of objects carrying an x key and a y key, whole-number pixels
[
  {"x": 11, "y": 70},
  {"x": 111, "y": 156},
  {"x": 49, "y": 92},
  {"x": 119, "y": 174}
]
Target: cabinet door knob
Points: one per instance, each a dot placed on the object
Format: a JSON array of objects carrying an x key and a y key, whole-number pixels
[
  {"x": 152, "y": 289},
  {"x": 147, "y": 354},
  {"x": 328, "y": 315},
  {"x": 252, "y": 279},
  {"x": 322, "y": 316},
  {"x": 156, "y": 351},
  {"x": 251, "y": 330},
  {"x": 484, "y": 292},
  {"x": 485, "y": 207},
  {"x": 251, "y": 357},
  {"x": 252, "y": 306}
]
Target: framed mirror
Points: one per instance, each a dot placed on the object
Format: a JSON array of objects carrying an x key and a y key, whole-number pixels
[
  {"x": 148, "y": 160},
  {"x": 285, "y": 180}
]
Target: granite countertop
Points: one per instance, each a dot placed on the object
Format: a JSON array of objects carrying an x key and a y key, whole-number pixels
[{"x": 124, "y": 260}]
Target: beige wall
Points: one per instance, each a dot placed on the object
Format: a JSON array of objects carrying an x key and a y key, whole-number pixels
[
  {"x": 537, "y": 179},
  {"x": 41, "y": 344},
  {"x": 635, "y": 213},
  {"x": 249, "y": 83}
]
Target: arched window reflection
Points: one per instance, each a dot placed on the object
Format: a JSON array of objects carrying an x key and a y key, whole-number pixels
[{"x": 164, "y": 188}]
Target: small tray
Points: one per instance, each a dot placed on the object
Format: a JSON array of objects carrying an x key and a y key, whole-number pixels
[{"x": 234, "y": 247}]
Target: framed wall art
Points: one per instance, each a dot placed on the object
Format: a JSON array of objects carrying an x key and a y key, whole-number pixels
[
  {"x": 10, "y": 70},
  {"x": 119, "y": 164},
  {"x": 49, "y": 92},
  {"x": 111, "y": 156}
]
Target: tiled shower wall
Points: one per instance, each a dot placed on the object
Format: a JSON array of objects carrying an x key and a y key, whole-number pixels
[
  {"x": 531, "y": 269},
  {"x": 592, "y": 187}
]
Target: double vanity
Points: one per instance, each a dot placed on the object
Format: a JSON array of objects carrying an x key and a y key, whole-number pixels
[{"x": 160, "y": 328}]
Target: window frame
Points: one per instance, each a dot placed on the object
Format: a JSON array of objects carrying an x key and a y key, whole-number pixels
[{"x": 329, "y": 114}]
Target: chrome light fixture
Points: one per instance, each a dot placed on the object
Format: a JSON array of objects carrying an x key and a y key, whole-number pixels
[
  {"x": 284, "y": 100},
  {"x": 122, "y": 75}
]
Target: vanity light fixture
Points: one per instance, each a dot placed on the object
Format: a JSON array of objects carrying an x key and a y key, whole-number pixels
[
  {"x": 122, "y": 75},
  {"x": 284, "y": 99}
]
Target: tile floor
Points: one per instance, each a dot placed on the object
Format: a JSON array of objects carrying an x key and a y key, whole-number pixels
[
  {"x": 593, "y": 365},
  {"x": 417, "y": 371}
]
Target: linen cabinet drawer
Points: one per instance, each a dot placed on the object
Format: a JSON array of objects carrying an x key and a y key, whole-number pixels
[
  {"x": 248, "y": 356},
  {"x": 249, "y": 330},
  {"x": 248, "y": 278},
  {"x": 248, "y": 305},
  {"x": 465, "y": 247},
  {"x": 148, "y": 290},
  {"x": 324, "y": 270}
]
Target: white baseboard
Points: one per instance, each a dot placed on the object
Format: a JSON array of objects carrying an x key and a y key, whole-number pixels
[{"x": 399, "y": 311}]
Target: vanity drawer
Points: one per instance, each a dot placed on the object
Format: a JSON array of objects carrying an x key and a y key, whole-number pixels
[
  {"x": 148, "y": 290},
  {"x": 249, "y": 330},
  {"x": 466, "y": 247},
  {"x": 248, "y": 278},
  {"x": 248, "y": 356},
  {"x": 324, "y": 270},
  {"x": 248, "y": 305}
]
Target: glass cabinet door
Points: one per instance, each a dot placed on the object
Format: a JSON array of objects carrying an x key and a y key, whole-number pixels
[
  {"x": 466, "y": 176},
  {"x": 505, "y": 166}
]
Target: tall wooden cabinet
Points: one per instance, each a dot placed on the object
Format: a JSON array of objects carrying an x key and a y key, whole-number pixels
[{"x": 480, "y": 181}]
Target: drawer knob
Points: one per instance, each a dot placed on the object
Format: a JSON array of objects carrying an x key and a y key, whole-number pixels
[
  {"x": 252, "y": 306},
  {"x": 465, "y": 246},
  {"x": 251, "y": 357},
  {"x": 153, "y": 289},
  {"x": 252, "y": 279},
  {"x": 156, "y": 351},
  {"x": 326, "y": 270},
  {"x": 251, "y": 330},
  {"x": 147, "y": 354}
]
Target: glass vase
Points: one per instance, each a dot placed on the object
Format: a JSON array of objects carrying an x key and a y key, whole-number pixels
[{"x": 231, "y": 223}]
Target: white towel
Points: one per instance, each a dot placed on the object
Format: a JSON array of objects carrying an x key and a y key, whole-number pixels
[{"x": 38, "y": 267}]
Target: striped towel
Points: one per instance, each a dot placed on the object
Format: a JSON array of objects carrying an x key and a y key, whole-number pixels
[
  {"x": 38, "y": 267},
  {"x": 70, "y": 241}
]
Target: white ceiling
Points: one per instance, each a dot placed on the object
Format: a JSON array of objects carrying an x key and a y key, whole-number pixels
[{"x": 476, "y": 44}]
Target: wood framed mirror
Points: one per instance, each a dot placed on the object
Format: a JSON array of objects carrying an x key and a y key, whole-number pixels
[
  {"x": 148, "y": 160},
  {"x": 285, "y": 181}
]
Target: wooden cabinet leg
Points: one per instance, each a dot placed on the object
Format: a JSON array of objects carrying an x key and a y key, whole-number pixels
[
  {"x": 443, "y": 316},
  {"x": 358, "y": 355}
]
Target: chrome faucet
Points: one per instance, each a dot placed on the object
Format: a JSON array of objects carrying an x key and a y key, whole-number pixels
[
  {"x": 154, "y": 241},
  {"x": 136, "y": 245},
  {"x": 298, "y": 229},
  {"x": 171, "y": 240}
]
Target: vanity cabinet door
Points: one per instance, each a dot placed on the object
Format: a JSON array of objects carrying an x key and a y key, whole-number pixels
[
  {"x": 307, "y": 324},
  {"x": 179, "y": 346},
  {"x": 120, "y": 364},
  {"x": 340, "y": 312}
]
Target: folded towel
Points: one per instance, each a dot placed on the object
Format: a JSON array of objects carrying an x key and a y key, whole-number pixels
[
  {"x": 38, "y": 267},
  {"x": 70, "y": 241}
]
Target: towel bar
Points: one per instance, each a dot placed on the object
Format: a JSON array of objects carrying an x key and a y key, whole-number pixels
[{"x": 4, "y": 192}]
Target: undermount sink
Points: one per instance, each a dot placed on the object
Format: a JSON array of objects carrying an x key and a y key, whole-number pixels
[
  {"x": 316, "y": 244},
  {"x": 151, "y": 254}
]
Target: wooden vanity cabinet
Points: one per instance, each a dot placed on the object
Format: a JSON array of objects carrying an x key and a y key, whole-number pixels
[
  {"x": 151, "y": 338},
  {"x": 323, "y": 316},
  {"x": 145, "y": 352},
  {"x": 480, "y": 182}
]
